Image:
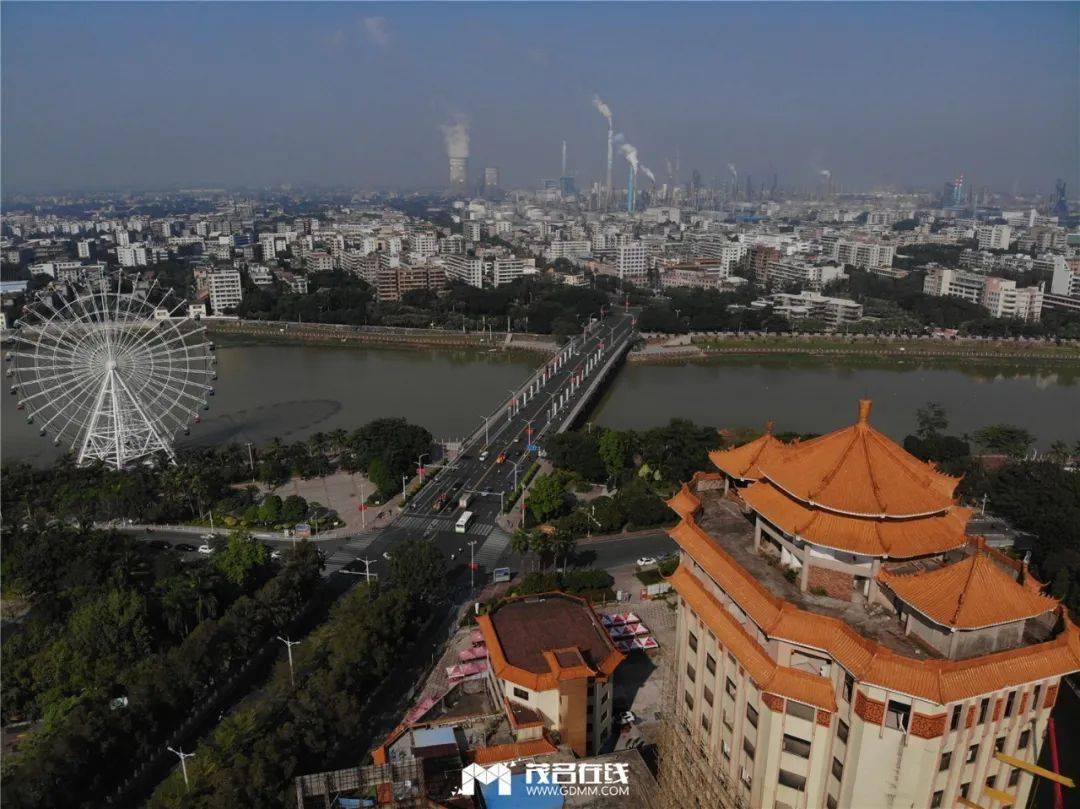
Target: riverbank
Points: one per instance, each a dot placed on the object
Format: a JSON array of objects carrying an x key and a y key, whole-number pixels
[
  {"x": 249, "y": 332},
  {"x": 851, "y": 348}
]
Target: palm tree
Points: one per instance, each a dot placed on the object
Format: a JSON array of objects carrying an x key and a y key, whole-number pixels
[{"x": 521, "y": 543}]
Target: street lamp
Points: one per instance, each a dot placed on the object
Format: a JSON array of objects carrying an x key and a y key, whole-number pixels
[
  {"x": 289, "y": 644},
  {"x": 420, "y": 466},
  {"x": 472, "y": 565},
  {"x": 183, "y": 763}
]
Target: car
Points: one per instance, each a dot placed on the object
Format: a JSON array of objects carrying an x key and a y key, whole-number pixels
[
  {"x": 483, "y": 456},
  {"x": 386, "y": 555},
  {"x": 501, "y": 458},
  {"x": 184, "y": 547},
  {"x": 275, "y": 555},
  {"x": 205, "y": 549},
  {"x": 627, "y": 718},
  {"x": 646, "y": 561}
]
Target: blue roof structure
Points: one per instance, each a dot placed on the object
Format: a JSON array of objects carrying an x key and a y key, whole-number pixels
[{"x": 520, "y": 797}]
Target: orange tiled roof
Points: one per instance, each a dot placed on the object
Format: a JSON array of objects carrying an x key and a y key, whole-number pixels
[
  {"x": 940, "y": 681},
  {"x": 859, "y": 471},
  {"x": 742, "y": 462},
  {"x": 915, "y": 536},
  {"x": 512, "y": 751},
  {"x": 768, "y": 675},
  {"x": 969, "y": 594}
]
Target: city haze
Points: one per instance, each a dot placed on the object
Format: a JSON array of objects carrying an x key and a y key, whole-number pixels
[{"x": 103, "y": 96}]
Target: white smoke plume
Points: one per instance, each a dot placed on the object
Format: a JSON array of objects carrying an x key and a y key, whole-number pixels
[
  {"x": 734, "y": 173},
  {"x": 602, "y": 108},
  {"x": 648, "y": 173},
  {"x": 629, "y": 152},
  {"x": 825, "y": 173},
  {"x": 456, "y": 134}
]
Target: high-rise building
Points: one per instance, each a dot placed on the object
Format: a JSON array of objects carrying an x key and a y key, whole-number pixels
[
  {"x": 459, "y": 174},
  {"x": 225, "y": 290},
  {"x": 631, "y": 261},
  {"x": 855, "y": 648},
  {"x": 994, "y": 237},
  {"x": 491, "y": 178}
]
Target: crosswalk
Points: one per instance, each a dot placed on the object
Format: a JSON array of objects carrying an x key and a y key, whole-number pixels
[
  {"x": 493, "y": 548},
  {"x": 348, "y": 552}
]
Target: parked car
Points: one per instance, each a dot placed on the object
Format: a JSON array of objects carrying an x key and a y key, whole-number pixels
[
  {"x": 483, "y": 456},
  {"x": 646, "y": 561},
  {"x": 184, "y": 547},
  {"x": 627, "y": 718},
  {"x": 205, "y": 549}
]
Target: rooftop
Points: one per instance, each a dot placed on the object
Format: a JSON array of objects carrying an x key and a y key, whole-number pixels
[{"x": 539, "y": 634}]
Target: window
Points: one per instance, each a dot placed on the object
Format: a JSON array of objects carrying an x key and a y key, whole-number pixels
[
  {"x": 830, "y": 802},
  {"x": 790, "y": 779},
  {"x": 521, "y": 694},
  {"x": 603, "y": 716},
  {"x": 727, "y": 721},
  {"x": 1014, "y": 777},
  {"x": 964, "y": 789},
  {"x": 710, "y": 663},
  {"x": 729, "y": 686},
  {"x": 705, "y": 722},
  {"x": 984, "y": 708},
  {"x": 1035, "y": 698},
  {"x": 1022, "y": 742},
  {"x": 751, "y": 715},
  {"x": 689, "y": 701},
  {"x": 748, "y": 748},
  {"x": 691, "y": 674},
  {"x": 935, "y": 802},
  {"x": 799, "y": 710},
  {"x": 946, "y": 760},
  {"x": 842, "y": 731},
  {"x": 796, "y": 746},
  {"x": 725, "y": 748},
  {"x": 954, "y": 722},
  {"x": 1010, "y": 703},
  {"x": 991, "y": 781},
  {"x": 837, "y": 769},
  {"x": 693, "y": 642},
  {"x": 849, "y": 686},
  {"x": 708, "y": 695},
  {"x": 897, "y": 715},
  {"x": 604, "y": 698},
  {"x": 999, "y": 745},
  {"x": 973, "y": 753}
]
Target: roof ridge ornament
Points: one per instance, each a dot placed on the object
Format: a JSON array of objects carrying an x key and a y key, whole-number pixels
[{"x": 865, "y": 405}]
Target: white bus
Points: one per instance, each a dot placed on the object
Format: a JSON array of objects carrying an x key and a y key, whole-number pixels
[{"x": 464, "y": 521}]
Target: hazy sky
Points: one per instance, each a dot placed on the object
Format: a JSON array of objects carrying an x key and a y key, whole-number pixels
[{"x": 101, "y": 95}]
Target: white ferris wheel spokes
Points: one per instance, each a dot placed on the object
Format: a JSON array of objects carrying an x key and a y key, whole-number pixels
[{"x": 104, "y": 372}]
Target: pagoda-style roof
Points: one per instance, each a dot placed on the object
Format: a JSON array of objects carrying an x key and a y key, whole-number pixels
[
  {"x": 970, "y": 594},
  {"x": 743, "y": 462},
  {"x": 897, "y": 539},
  {"x": 858, "y": 471}
]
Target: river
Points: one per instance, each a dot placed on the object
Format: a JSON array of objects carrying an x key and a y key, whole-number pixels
[{"x": 294, "y": 391}]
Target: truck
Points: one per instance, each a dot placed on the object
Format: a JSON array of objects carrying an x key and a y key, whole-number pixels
[{"x": 464, "y": 500}]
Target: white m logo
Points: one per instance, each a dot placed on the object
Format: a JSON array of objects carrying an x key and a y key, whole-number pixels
[{"x": 485, "y": 775}]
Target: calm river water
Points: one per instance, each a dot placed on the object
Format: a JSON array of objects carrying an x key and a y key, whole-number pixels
[{"x": 294, "y": 391}]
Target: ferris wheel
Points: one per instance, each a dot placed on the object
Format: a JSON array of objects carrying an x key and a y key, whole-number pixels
[{"x": 109, "y": 372}]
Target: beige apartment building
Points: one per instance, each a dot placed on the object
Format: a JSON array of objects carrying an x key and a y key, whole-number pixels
[{"x": 854, "y": 647}]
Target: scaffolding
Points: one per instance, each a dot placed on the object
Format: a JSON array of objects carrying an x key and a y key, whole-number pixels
[
  {"x": 402, "y": 779},
  {"x": 687, "y": 777}
]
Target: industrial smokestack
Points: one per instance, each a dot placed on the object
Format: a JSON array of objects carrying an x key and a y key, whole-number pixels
[
  {"x": 563, "y": 159},
  {"x": 456, "y": 136},
  {"x": 630, "y": 190},
  {"x": 605, "y": 110}
]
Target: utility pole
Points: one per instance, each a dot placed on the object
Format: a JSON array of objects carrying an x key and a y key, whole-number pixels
[
  {"x": 363, "y": 508},
  {"x": 366, "y": 573},
  {"x": 251, "y": 462},
  {"x": 420, "y": 467},
  {"x": 183, "y": 763},
  {"x": 472, "y": 566},
  {"x": 289, "y": 644}
]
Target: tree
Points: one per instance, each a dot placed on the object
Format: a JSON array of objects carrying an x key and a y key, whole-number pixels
[
  {"x": 547, "y": 497},
  {"x": 930, "y": 420},
  {"x": 270, "y": 510},
  {"x": 293, "y": 509},
  {"x": 241, "y": 558},
  {"x": 615, "y": 448},
  {"x": 1005, "y": 438},
  {"x": 420, "y": 569}
]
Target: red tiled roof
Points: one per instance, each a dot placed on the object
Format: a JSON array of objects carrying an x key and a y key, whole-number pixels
[
  {"x": 970, "y": 594},
  {"x": 514, "y": 750}
]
